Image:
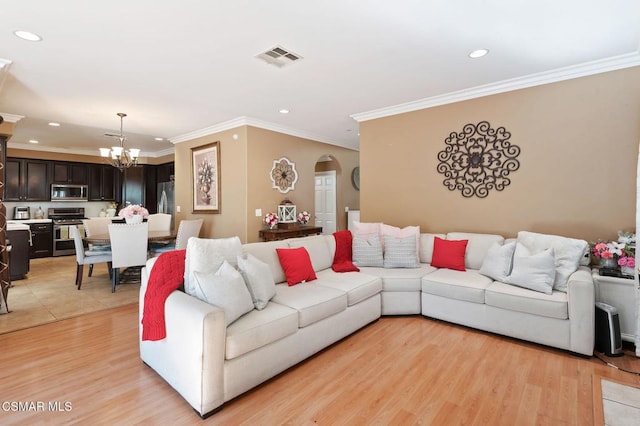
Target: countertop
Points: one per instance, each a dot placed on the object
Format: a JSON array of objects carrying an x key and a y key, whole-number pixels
[{"x": 28, "y": 221}]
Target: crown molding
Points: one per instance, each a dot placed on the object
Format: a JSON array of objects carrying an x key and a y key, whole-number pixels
[
  {"x": 561, "y": 74},
  {"x": 249, "y": 121},
  {"x": 11, "y": 118},
  {"x": 92, "y": 152}
]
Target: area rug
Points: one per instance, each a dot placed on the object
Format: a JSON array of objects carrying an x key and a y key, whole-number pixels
[{"x": 616, "y": 403}]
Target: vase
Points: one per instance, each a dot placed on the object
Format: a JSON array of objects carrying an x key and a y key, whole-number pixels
[
  {"x": 136, "y": 218},
  {"x": 204, "y": 189},
  {"x": 627, "y": 270},
  {"x": 608, "y": 263}
]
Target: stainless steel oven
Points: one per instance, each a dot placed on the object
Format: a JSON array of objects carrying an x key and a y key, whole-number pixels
[{"x": 62, "y": 218}]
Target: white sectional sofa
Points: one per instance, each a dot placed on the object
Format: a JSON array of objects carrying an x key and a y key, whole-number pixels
[{"x": 210, "y": 363}]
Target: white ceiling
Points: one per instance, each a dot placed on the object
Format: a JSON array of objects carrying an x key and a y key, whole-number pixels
[{"x": 184, "y": 68}]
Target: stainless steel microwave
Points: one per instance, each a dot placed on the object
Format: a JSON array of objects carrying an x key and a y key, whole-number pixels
[{"x": 63, "y": 192}]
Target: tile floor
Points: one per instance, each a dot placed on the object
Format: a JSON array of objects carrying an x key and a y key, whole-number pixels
[
  {"x": 621, "y": 404},
  {"x": 48, "y": 293}
]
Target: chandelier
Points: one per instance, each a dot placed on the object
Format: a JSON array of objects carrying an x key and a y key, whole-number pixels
[{"x": 117, "y": 156}]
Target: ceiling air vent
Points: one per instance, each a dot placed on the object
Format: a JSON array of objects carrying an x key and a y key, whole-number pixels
[{"x": 279, "y": 56}]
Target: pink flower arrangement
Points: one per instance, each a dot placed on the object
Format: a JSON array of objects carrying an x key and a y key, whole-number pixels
[
  {"x": 270, "y": 219},
  {"x": 623, "y": 251},
  {"x": 628, "y": 261},
  {"x": 607, "y": 250},
  {"x": 132, "y": 210},
  {"x": 303, "y": 217}
]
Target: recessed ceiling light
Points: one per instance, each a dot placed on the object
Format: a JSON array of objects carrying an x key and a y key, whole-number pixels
[
  {"x": 52, "y": 124},
  {"x": 26, "y": 35},
  {"x": 159, "y": 139},
  {"x": 478, "y": 53},
  {"x": 284, "y": 111},
  {"x": 33, "y": 141}
]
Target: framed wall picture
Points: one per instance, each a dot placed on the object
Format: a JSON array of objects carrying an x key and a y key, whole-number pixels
[{"x": 205, "y": 169}]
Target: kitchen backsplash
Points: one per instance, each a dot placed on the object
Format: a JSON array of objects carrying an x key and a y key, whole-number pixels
[{"x": 91, "y": 208}]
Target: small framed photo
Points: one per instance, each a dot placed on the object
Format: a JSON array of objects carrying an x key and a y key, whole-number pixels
[{"x": 205, "y": 168}]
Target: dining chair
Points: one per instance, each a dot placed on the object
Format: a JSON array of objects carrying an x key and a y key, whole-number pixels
[
  {"x": 128, "y": 247},
  {"x": 159, "y": 222},
  {"x": 95, "y": 226},
  {"x": 186, "y": 230},
  {"x": 86, "y": 257}
]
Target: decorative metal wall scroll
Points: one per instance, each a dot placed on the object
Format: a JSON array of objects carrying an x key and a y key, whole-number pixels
[
  {"x": 478, "y": 159},
  {"x": 283, "y": 175}
]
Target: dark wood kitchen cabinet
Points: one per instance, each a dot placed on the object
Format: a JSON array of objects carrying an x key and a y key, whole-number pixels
[
  {"x": 104, "y": 183},
  {"x": 27, "y": 180},
  {"x": 74, "y": 173},
  {"x": 41, "y": 240}
]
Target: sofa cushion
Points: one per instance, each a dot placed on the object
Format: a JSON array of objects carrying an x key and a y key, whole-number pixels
[
  {"x": 408, "y": 231},
  {"x": 401, "y": 279},
  {"x": 343, "y": 257},
  {"x": 498, "y": 261},
  {"x": 466, "y": 285},
  {"x": 426, "y": 246},
  {"x": 312, "y": 301},
  {"x": 449, "y": 254},
  {"x": 207, "y": 254},
  {"x": 358, "y": 286},
  {"x": 257, "y": 275},
  {"x": 224, "y": 288},
  {"x": 568, "y": 253},
  {"x": 477, "y": 247},
  {"x": 266, "y": 252},
  {"x": 318, "y": 248},
  {"x": 367, "y": 251},
  {"x": 296, "y": 264},
  {"x": 533, "y": 271},
  {"x": 259, "y": 328},
  {"x": 518, "y": 299},
  {"x": 400, "y": 252}
]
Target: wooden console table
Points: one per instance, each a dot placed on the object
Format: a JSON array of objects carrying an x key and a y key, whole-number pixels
[{"x": 282, "y": 234}]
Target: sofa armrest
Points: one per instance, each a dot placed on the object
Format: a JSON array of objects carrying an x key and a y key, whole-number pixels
[
  {"x": 581, "y": 298},
  {"x": 191, "y": 357}
]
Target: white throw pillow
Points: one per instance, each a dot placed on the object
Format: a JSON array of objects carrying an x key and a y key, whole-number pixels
[
  {"x": 407, "y": 231},
  {"x": 567, "y": 251},
  {"x": 259, "y": 279},
  {"x": 400, "y": 252},
  {"x": 498, "y": 261},
  {"x": 367, "y": 251},
  {"x": 224, "y": 288},
  {"x": 207, "y": 254},
  {"x": 533, "y": 271}
]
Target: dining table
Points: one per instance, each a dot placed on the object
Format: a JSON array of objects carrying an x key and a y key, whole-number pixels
[
  {"x": 153, "y": 237},
  {"x": 132, "y": 273}
]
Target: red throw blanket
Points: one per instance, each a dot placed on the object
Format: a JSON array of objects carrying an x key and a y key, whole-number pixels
[
  {"x": 342, "y": 260},
  {"x": 166, "y": 276}
]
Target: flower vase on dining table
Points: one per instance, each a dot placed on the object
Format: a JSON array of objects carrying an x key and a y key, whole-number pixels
[{"x": 136, "y": 218}]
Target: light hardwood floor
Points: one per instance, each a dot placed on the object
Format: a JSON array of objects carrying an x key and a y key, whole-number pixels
[{"x": 398, "y": 370}]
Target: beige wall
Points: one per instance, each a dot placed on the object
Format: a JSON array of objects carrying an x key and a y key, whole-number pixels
[
  {"x": 266, "y": 146},
  {"x": 579, "y": 145},
  {"x": 246, "y": 186},
  {"x": 233, "y": 203}
]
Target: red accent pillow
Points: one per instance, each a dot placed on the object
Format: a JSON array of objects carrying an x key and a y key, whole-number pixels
[
  {"x": 449, "y": 254},
  {"x": 296, "y": 264},
  {"x": 342, "y": 260}
]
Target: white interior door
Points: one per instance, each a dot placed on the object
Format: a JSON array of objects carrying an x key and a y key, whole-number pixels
[{"x": 325, "y": 213}]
